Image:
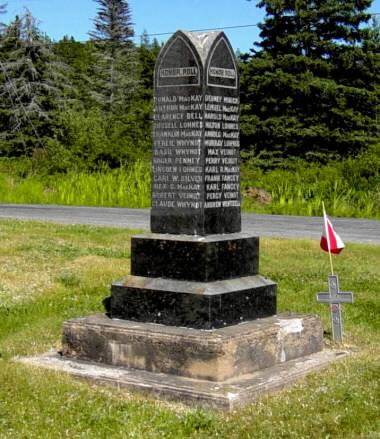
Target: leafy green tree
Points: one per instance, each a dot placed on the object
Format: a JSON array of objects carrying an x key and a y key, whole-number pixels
[
  {"x": 91, "y": 135},
  {"x": 310, "y": 87}
]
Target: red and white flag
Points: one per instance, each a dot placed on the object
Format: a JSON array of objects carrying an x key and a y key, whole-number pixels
[{"x": 330, "y": 240}]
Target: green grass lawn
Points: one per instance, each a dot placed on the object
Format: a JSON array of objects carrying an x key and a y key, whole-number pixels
[{"x": 50, "y": 273}]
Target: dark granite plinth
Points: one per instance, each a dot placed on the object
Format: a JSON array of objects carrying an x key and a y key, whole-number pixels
[
  {"x": 215, "y": 355},
  {"x": 203, "y": 305},
  {"x": 195, "y": 258}
]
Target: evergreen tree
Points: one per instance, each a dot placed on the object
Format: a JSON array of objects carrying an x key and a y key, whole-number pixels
[
  {"x": 116, "y": 65},
  {"x": 113, "y": 22},
  {"x": 310, "y": 88},
  {"x": 143, "y": 108},
  {"x": 117, "y": 87},
  {"x": 33, "y": 89},
  {"x": 148, "y": 53},
  {"x": 374, "y": 35},
  {"x": 80, "y": 58},
  {"x": 2, "y": 81}
]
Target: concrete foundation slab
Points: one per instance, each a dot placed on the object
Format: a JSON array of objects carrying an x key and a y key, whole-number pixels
[
  {"x": 214, "y": 355},
  {"x": 227, "y": 395}
]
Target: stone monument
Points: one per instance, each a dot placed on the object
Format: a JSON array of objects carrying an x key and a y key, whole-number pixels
[
  {"x": 195, "y": 320},
  {"x": 196, "y": 269}
]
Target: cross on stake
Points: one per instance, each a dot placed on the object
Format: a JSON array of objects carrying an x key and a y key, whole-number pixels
[{"x": 335, "y": 297}]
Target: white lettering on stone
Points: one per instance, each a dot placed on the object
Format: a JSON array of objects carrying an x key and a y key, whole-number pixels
[
  {"x": 216, "y": 134},
  {"x": 230, "y": 186},
  {"x": 222, "y": 73},
  {"x": 213, "y": 142},
  {"x": 213, "y": 187},
  {"x": 212, "y": 160},
  {"x": 213, "y": 116},
  {"x": 190, "y": 151},
  {"x": 230, "y": 195},
  {"x": 230, "y": 177},
  {"x": 178, "y": 72},
  {"x": 191, "y": 178},
  {"x": 189, "y": 196},
  {"x": 188, "y": 204},
  {"x": 229, "y": 161},
  {"x": 230, "y": 100},
  {"x": 213, "y": 196},
  {"x": 212, "y": 177},
  {"x": 213, "y": 204},
  {"x": 231, "y": 204}
]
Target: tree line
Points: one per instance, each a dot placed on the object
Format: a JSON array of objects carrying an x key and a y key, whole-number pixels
[{"x": 309, "y": 88}]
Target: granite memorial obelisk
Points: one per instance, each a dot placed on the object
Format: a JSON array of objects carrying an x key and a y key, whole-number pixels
[
  {"x": 196, "y": 188},
  {"x": 189, "y": 271}
]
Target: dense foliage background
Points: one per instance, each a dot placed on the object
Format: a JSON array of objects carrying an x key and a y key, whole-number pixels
[
  {"x": 309, "y": 98},
  {"x": 310, "y": 88}
]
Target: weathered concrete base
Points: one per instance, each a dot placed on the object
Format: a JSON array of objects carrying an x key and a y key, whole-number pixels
[
  {"x": 227, "y": 395},
  {"x": 214, "y": 355},
  {"x": 220, "y": 368}
]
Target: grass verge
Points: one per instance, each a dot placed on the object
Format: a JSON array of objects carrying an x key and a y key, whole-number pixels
[
  {"x": 49, "y": 273},
  {"x": 128, "y": 187}
]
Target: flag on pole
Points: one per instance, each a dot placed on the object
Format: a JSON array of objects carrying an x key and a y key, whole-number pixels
[{"x": 330, "y": 240}]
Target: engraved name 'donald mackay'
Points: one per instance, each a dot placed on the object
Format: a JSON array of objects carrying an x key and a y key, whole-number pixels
[{"x": 196, "y": 136}]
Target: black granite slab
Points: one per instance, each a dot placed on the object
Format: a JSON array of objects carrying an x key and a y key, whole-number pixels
[
  {"x": 195, "y": 258},
  {"x": 202, "y": 305},
  {"x": 214, "y": 221},
  {"x": 196, "y": 179}
]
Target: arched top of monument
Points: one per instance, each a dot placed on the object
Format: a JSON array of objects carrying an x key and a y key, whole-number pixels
[
  {"x": 179, "y": 63},
  {"x": 221, "y": 65},
  {"x": 202, "y": 43},
  {"x": 192, "y": 59}
]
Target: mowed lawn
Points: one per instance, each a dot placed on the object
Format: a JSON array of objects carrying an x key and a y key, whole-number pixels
[{"x": 50, "y": 273}]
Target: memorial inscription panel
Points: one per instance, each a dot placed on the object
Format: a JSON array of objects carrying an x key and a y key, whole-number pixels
[{"x": 196, "y": 187}]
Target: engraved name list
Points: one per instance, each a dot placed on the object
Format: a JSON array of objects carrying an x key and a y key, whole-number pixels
[{"x": 190, "y": 131}]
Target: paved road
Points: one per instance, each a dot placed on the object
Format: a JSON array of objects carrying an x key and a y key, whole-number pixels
[{"x": 351, "y": 230}]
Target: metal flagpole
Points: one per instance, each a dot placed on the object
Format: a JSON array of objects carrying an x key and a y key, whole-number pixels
[{"x": 327, "y": 237}]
